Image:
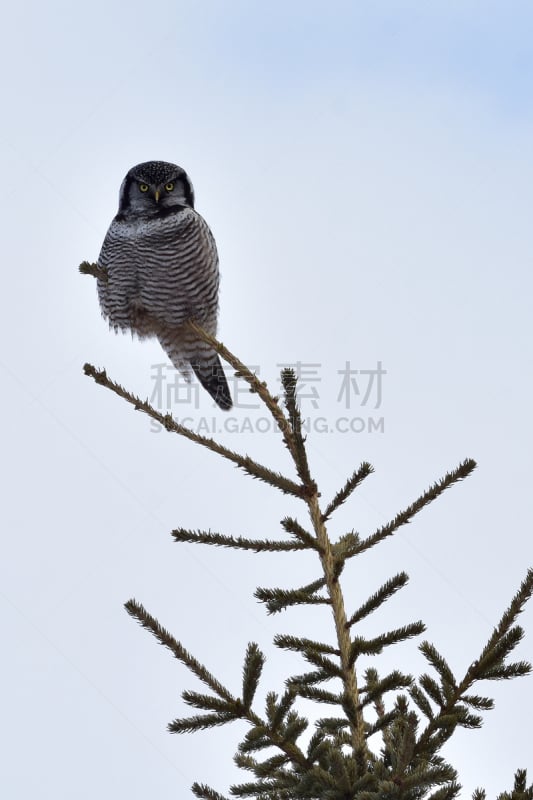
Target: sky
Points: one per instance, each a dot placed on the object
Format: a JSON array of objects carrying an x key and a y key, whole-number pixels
[{"x": 366, "y": 169}]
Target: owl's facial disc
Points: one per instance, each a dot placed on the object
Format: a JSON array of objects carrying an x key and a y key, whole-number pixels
[{"x": 153, "y": 188}]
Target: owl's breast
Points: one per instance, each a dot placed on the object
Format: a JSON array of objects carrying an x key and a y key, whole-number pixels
[{"x": 161, "y": 272}]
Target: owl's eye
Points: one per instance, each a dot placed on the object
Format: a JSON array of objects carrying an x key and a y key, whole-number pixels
[
  {"x": 143, "y": 187},
  {"x": 169, "y": 187}
]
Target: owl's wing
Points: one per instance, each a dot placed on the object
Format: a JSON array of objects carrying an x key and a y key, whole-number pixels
[{"x": 118, "y": 258}]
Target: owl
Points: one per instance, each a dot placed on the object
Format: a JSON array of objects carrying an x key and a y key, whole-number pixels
[{"x": 162, "y": 270}]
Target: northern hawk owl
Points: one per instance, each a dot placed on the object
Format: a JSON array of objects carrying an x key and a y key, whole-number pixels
[{"x": 162, "y": 270}]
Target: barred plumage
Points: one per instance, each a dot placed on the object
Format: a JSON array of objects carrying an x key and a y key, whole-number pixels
[{"x": 162, "y": 266}]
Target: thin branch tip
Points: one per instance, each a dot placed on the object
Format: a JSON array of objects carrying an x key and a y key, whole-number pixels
[
  {"x": 86, "y": 268},
  {"x": 98, "y": 375}
]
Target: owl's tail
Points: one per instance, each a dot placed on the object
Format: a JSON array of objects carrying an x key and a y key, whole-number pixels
[
  {"x": 188, "y": 353},
  {"x": 211, "y": 375}
]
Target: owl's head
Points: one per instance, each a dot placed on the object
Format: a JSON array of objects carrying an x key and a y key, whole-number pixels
[{"x": 153, "y": 188}]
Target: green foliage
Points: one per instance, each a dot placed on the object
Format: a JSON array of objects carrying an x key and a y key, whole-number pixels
[{"x": 412, "y": 718}]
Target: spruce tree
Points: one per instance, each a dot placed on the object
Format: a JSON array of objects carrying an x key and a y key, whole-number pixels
[{"x": 413, "y": 716}]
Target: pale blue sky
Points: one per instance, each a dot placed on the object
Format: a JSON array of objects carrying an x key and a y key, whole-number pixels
[{"x": 366, "y": 169}]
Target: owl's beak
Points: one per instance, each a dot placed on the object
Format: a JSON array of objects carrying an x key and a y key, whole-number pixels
[{"x": 156, "y": 195}]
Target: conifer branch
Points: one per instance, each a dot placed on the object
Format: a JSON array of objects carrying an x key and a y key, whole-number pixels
[
  {"x": 351, "y": 484},
  {"x": 446, "y": 792},
  {"x": 307, "y": 679},
  {"x": 292, "y": 526},
  {"x": 202, "y": 722},
  {"x": 381, "y": 596},
  {"x": 206, "y": 702},
  {"x": 520, "y": 791},
  {"x": 331, "y": 725},
  {"x": 251, "y": 672},
  {"x": 262, "y": 789},
  {"x": 283, "y": 735},
  {"x": 481, "y": 703},
  {"x": 236, "y": 542},
  {"x": 405, "y": 747},
  {"x": 361, "y": 646},
  {"x": 294, "y": 727},
  {"x": 256, "y": 738},
  {"x": 302, "y": 645},
  {"x": 205, "y": 792},
  {"x": 428, "y": 776},
  {"x": 277, "y": 734},
  {"x": 288, "y": 380},
  {"x": 244, "y": 462},
  {"x": 317, "y": 746},
  {"x": 325, "y": 664},
  {"x": 420, "y": 699},
  {"x": 261, "y": 769},
  {"x": 272, "y": 766},
  {"x": 404, "y": 517},
  {"x": 439, "y": 664},
  {"x": 346, "y": 546},
  {"x": 245, "y": 761},
  {"x": 392, "y": 682},
  {"x": 432, "y": 689},
  {"x": 451, "y": 696},
  {"x": 517, "y": 670},
  {"x": 138, "y": 612},
  {"x": 277, "y": 710},
  {"x": 383, "y": 722},
  {"x": 278, "y": 599},
  {"x": 504, "y": 638},
  {"x": 235, "y": 708},
  {"x": 319, "y": 695}
]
